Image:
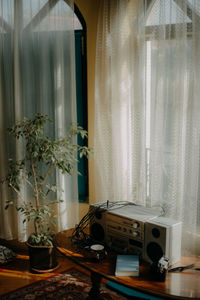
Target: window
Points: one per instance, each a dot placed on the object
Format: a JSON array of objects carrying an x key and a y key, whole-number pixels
[
  {"x": 162, "y": 47},
  {"x": 148, "y": 108},
  {"x": 44, "y": 66}
]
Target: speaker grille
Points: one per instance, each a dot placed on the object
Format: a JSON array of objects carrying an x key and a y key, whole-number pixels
[
  {"x": 154, "y": 251},
  {"x": 97, "y": 232},
  {"x": 156, "y": 232}
]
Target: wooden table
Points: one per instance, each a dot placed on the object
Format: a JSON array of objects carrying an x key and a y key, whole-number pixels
[{"x": 178, "y": 285}]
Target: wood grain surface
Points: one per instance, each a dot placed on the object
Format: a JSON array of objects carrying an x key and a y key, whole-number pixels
[{"x": 178, "y": 285}]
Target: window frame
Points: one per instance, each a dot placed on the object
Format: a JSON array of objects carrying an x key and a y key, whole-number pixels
[{"x": 82, "y": 103}]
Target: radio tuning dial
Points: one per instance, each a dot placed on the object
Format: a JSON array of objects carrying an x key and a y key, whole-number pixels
[
  {"x": 136, "y": 225},
  {"x": 135, "y": 233}
]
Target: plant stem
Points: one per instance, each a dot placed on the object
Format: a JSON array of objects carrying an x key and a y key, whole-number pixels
[
  {"x": 35, "y": 184},
  {"x": 45, "y": 177},
  {"x": 28, "y": 182},
  {"x": 18, "y": 193},
  {"x": 36, "y": 193}
]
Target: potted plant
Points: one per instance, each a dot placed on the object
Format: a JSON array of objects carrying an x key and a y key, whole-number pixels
[{"x": 42, "y": 156}]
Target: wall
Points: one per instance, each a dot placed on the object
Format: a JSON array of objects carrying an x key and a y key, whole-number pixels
[{"x": 89, "y": 10}]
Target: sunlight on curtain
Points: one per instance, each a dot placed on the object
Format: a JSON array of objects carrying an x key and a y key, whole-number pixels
[
  {"x": 119, "y": 104},
  {"x": 37, "y": 75},
  {"x": 147, "y": 106}
]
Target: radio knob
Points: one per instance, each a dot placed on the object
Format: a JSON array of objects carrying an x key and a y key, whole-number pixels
[
  {"x": 136, "y": 225},
  {"x": 135, "y": 233}
]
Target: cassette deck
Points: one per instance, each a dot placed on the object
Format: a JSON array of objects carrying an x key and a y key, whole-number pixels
[{"x": 125, "y": 228}]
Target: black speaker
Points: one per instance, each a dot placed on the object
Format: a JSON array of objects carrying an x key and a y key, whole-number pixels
[
  {"x": 162, "y": 238},
  {"x": 98, "y": 224}
]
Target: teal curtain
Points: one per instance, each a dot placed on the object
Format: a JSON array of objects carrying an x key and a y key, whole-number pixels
[{"x": 81, "y": 96}]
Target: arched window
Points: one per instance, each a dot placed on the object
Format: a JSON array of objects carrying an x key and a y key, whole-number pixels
[
  {"x": 81, "y": 76},
  {"x": 37, "y": 75},
  {"x": 40, "y": 17}
]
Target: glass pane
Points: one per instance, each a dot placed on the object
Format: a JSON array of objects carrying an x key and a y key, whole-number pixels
[
  {"x": 49, "y": 16},
  {"x": 166, "y": 12},
  {"x": 7, "y": 13},
  {"x": 195, "y": 5},
  {"x": 31, "y": 8},
  {"x": 77, "y": 24},
  {"x": 59, "y": 18}
]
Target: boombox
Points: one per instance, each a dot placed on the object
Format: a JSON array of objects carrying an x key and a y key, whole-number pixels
[{"x": 135, "y": 229}]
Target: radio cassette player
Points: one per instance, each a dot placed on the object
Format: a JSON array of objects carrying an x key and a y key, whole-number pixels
[{"x": 135, "y": 229}]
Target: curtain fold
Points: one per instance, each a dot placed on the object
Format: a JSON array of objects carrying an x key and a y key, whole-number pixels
[
  {"x": 147, "y": 129},
  {"x": 119, "y": 129},
  {"x": 37, "y": 75}
]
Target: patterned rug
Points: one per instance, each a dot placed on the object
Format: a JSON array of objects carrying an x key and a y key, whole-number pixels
[{"x": 73, "y": 285}]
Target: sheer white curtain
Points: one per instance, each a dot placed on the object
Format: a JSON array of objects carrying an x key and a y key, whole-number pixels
[
  {"x": 147, "y": 126},
  {"x": 119, "y": 103},
  {"x": 37, "y": 75}
]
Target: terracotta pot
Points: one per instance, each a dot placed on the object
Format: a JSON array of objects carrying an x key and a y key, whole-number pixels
[{"x": 42, "y": 258}]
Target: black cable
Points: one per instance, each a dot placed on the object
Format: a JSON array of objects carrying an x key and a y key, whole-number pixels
[
  {"x": 78, "y": 235},
  {"x": 182, "y": 268}
]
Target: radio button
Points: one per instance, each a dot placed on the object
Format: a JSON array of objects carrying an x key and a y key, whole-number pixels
[
  {"x": 135, "y": 233},
  {"x": 136, "y": 225}
]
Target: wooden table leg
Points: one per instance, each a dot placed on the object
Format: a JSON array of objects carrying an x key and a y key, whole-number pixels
[
  {"x": 95, "y": 289},
  {"x": 95, "y": 292}
]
